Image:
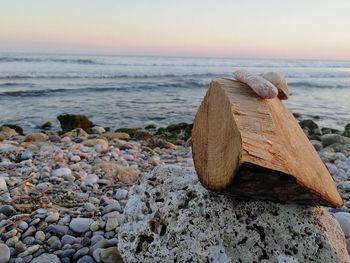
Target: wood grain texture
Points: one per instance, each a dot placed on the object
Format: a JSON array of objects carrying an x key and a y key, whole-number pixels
[{"x": 249, "y": 147}]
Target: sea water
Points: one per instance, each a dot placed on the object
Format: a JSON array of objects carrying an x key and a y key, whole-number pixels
[{"x": 133, "y": 91}]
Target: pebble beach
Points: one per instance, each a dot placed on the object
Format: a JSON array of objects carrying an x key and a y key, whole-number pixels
[{"x": 63, "y": 194}]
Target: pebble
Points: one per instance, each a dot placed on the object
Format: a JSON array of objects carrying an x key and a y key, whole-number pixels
[
  {"x": 3, "y": 185},
  {"x": 12, "y": 241},
  {"x": 67, "y": 239},
  {"x": 81, "y": 252},
  {"x": 52, "y": 217},
  {"x": 28, "y": 240},
  {"x": 80, "y": 225},
  {"x": 62, "y": 172},
  {"x": 46, "y": 258},
  {"x": 54, "y": 242},
  {"x": 86, "y": 259},
  {"x": 58, "y": 229},
  {"x": 7, "y": 210},
  {"x": 121, "y": 194},
  {"x": 344, "y": 221},
  {"x": 29, "y": 251},
  {"x": 20, "y": 247},
  {"x": 68, "y": 253},
  {"x": 4, "y": 253},
  {"x": 22, "y": 224},
  {"x": 40, "y": 235},
  {"x": 110, "y": 255},
  {"x": 111, "y": 224},
  {"x": 94, "y": 226}
]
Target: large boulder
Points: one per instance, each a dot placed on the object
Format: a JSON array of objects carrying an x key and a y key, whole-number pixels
[
  {"x": 70, "y": 121},
  {"x": 170, "y": 217}
]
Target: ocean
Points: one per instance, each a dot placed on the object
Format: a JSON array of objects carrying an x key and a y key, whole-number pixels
[{"x": 134, "y": 91}]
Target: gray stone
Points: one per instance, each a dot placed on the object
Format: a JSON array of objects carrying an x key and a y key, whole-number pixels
[
  {"x": 29, "y": 240},
  {"x": 316, "y": 144},
  {"x": 111, "y": 224},
  {"x": 3, "y": 185},
  {"x": 195, "y": 224},
  {"x": 329, "y": 139},
  {"x": 344, "y": 220},
  {"x": 4, "y": 253},
  {"x": 12, "y": 241},
  {"x": 58, "y": 229},
  {"x": 29, "y": 251},
  {"x": 7, "y": 210},
  {"x": 81, "y": 252},
  {"x": 86, "y": 259},
  {"x": 52, "y": 217},
  {"x": 67, "y": 239},
  {"x": 29, "y": 232},
  {"x": 68, "y": 252},
  {"x": 46, "y": 258},
  {"x": 62, "y": 172},
  {"x": 121, "y": 194},
  {"x": 80, "y": 225},
  {"x": 40, "y": 235}
]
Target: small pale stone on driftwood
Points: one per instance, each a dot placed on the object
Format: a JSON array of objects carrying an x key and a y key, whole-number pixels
[
  {"x": 279, "y": 82},
  {"x": 261, "y": 86}
]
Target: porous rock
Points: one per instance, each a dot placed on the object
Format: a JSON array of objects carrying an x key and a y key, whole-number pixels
[{"x": 170, "y": 217}]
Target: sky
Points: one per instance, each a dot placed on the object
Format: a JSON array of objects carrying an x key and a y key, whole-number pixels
[{"x": 318, "y": 29}]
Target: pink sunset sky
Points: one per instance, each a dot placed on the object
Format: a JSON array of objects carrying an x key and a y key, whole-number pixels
[{"x": 316, "y": 29}]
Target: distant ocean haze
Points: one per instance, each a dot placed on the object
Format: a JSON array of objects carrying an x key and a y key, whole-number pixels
[{"x": 130, "y": 91}]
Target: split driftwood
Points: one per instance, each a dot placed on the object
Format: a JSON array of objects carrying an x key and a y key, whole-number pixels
[{"x": 250, "y": 147}]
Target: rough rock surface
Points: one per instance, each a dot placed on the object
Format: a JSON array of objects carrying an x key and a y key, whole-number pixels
[{"x": 170, "y": 217}]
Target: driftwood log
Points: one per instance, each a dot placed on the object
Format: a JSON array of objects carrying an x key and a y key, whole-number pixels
[{"x": 250, "y": 147}]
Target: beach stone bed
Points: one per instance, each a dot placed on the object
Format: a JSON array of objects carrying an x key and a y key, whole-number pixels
[
  {"x": 62, "y": 197},
  {"x": 73, "y": 198}
]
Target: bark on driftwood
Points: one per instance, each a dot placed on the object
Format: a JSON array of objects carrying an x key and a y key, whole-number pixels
[{"x": 249, "y": 147}]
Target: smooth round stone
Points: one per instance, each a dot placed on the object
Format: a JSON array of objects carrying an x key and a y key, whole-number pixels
[
  {"x": 5, "y": 253},
  {"x": 345, "y": 186},
  {"x": 52, "y": 217},
  {"x": 44, "y": 187},
  {"x": 26, "y": 155},
  {"x": 29, "y": 240},
  {"x": 54, "y": 243},
  {"x": 58, "y": 229},
  {"x": 89, "y": 207},
  {"x": 7, "y": 210},
  {"x": 332, "y": 168},
  {"x": 94, "y": 226},
  {"x": 12, "y": 241},
  {"x": 86, "y": 259},
  {"x": 344, "y": 221},
  {"x": 40, "y": 235},
  {"x": 46, "y": 258},
  {"x": 65, "y": 260},
  {"x": 20, "y": 247},
  {"x": 111, "y": 224},
  {"x": 22, "y": 224},
  {"x": 68, "y": 253},
  {"x": 80, "y": 225},
  {"x": 121, "y": 194},
  {"x": 81, "y": 252},
  {"x": 62, "y": 172},
  {"x": 67, "y": 239}
]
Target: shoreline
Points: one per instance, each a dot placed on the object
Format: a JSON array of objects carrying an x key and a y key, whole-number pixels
[{"x": 64, "y": 193}]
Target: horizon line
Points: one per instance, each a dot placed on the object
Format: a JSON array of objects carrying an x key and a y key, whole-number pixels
[{"x": 169, "y": 56}]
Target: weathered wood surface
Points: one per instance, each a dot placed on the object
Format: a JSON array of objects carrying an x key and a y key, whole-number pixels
[{"x": 250, "y": 147}]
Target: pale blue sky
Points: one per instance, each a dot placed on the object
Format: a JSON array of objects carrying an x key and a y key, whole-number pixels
[{"x": 247, "y": 28}]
